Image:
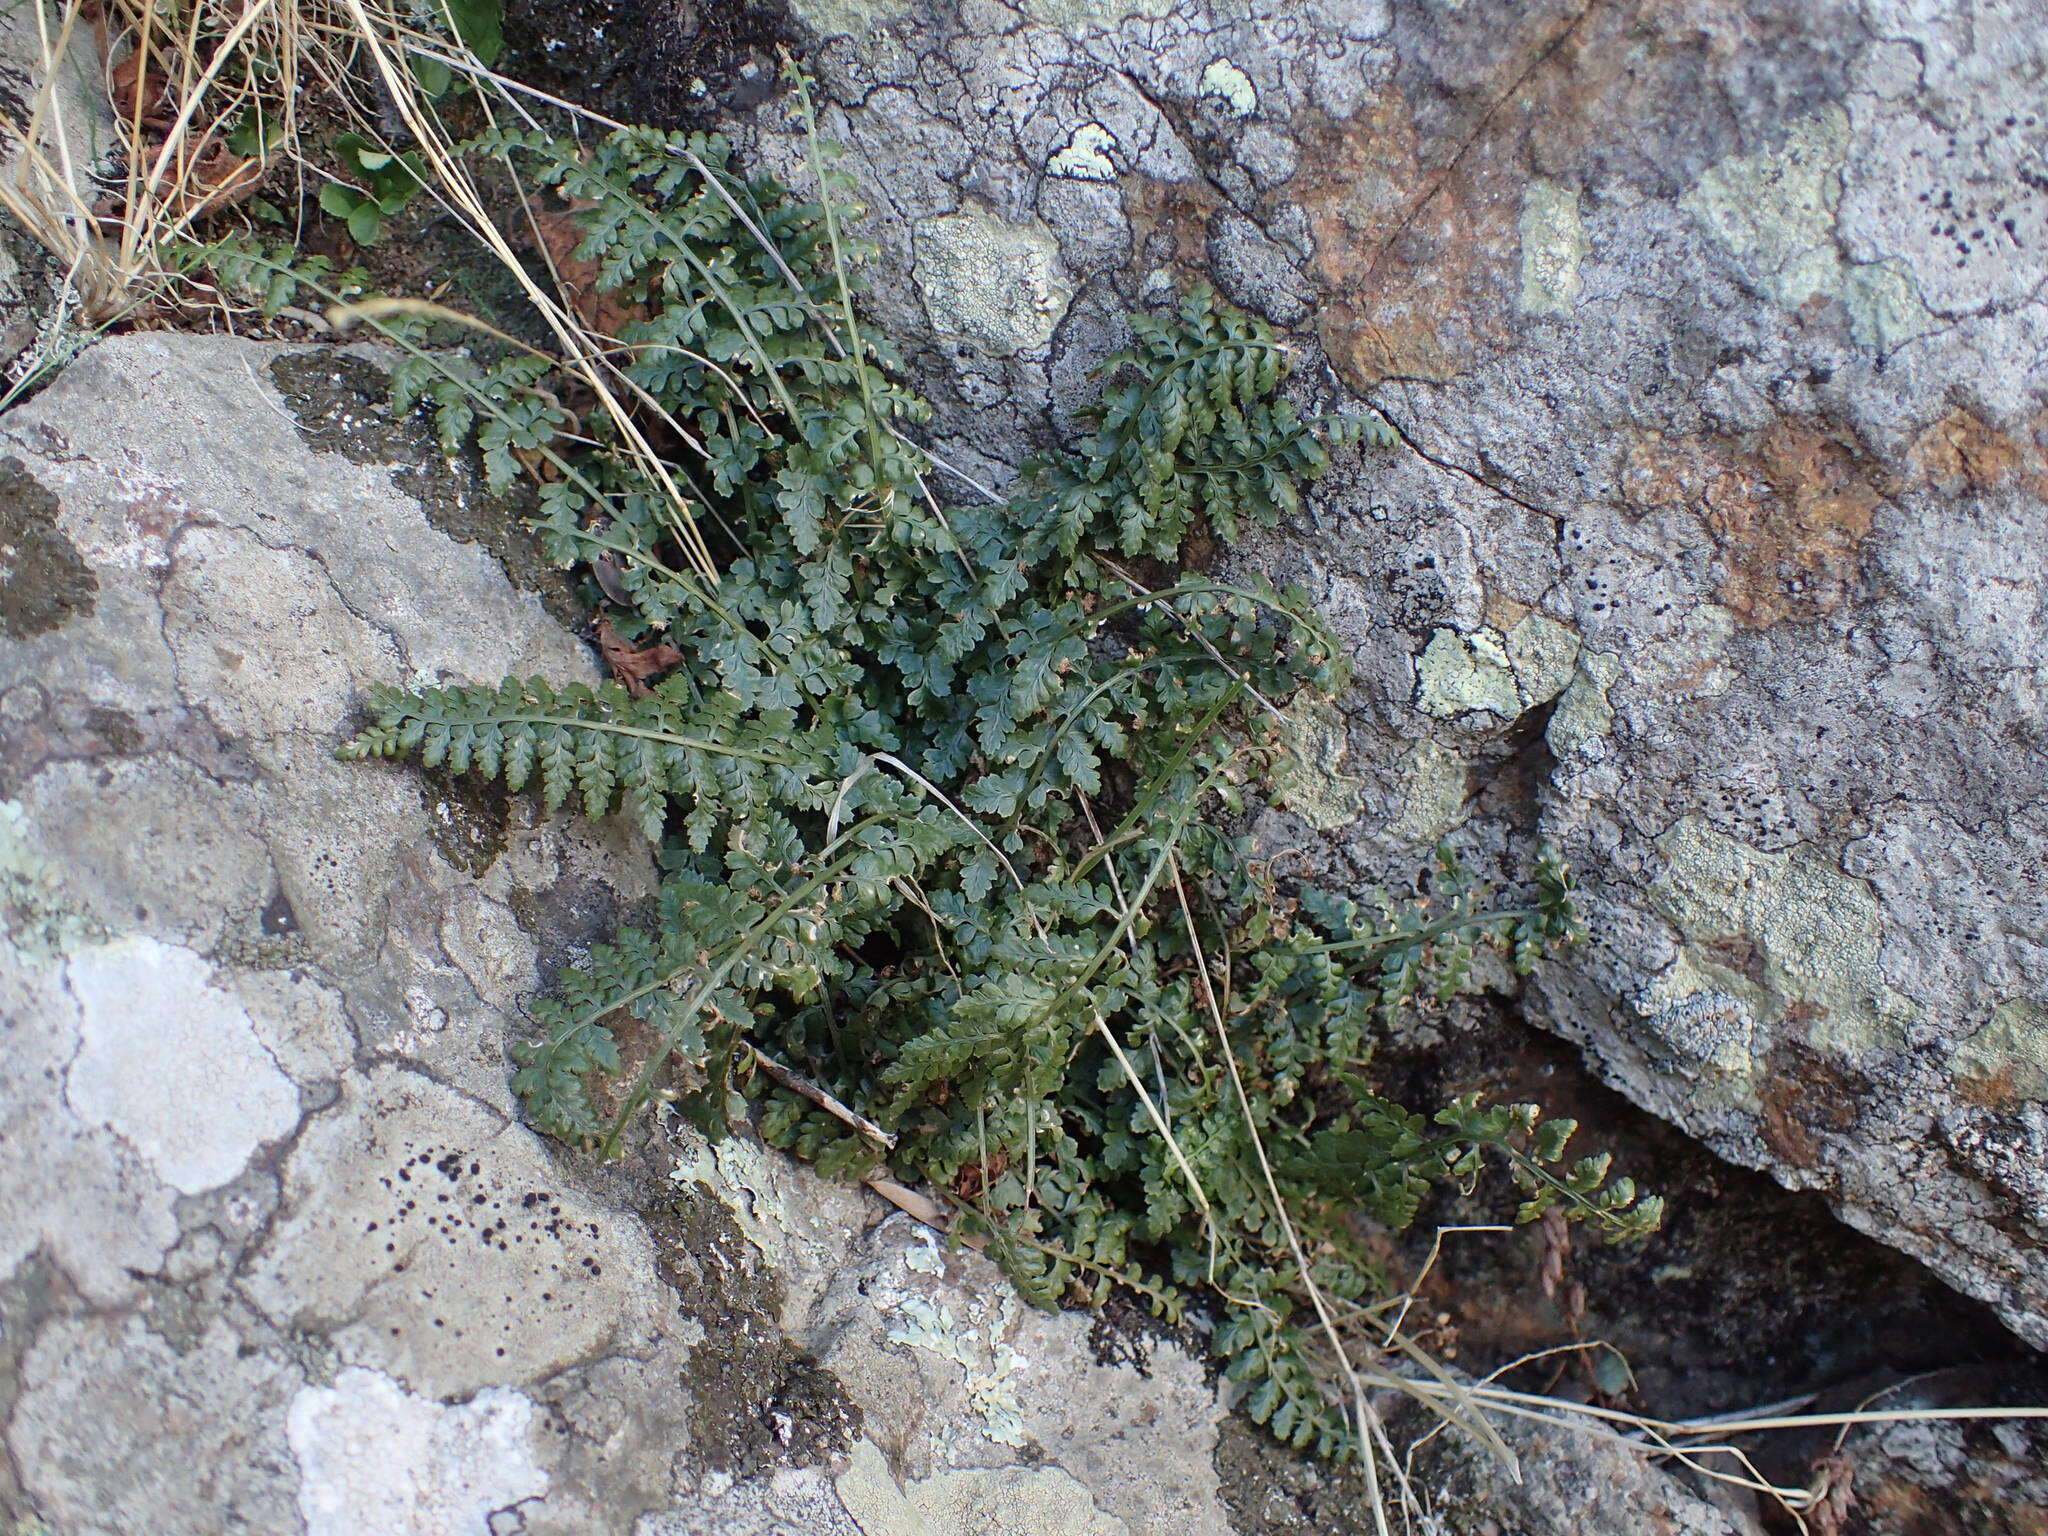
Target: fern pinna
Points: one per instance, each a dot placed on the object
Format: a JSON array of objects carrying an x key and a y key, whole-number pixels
[{"x": 942, "y": 792}]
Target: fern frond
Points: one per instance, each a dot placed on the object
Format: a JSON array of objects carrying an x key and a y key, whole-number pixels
[
  {"x": 598, "y": 747},
  {"x": 919, "y": 775}
]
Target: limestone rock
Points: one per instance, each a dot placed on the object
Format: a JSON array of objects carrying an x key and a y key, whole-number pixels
[{"x": 1715, "y": 336}]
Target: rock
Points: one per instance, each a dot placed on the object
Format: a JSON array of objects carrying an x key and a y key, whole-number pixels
[
  {"x": 1714, "y": 336},
  {"x": 1571, "y": 1484},
  {"x": 1983, "y": 1479}
]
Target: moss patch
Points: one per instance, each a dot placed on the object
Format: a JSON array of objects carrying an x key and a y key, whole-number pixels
[
  {"x": 758, "y": 1401},
  {"x": 44, "y": 581}
]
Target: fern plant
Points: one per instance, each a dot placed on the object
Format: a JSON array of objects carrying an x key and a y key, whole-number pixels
[{"x": 943, "y": 793}]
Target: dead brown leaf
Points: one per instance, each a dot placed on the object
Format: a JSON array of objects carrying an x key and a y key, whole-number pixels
[
  {"x": 1834, "y": 1485},
  {"x": 1557, "y": 1247},
  {"x": 636, "y": 667},
  {"x": 560, "y": 235}
]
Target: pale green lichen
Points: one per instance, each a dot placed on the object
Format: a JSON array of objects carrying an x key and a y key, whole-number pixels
[
  {"x": 1543, "y": 655},
  {"x": 1784, "y": 934},
  {"x": 1434, "y": 801},
  {"x": 1704, "y": 1014},
  {"x": 2010, "y": 1054},
  {"x": 991, "y": 284},
  {"x": 1309, "y": 779},
  {"x": 1584, "y": 717},
  {"x": 848, "y": 18},
  {"x": 1553, "y": 246},
  {"x": 1455, "y": 678},
  {"x": 1501, "y": 673},
  {"x": 1885, "y": 309},
  {"x": 988, "y": 1364},
  {"x": 1230, "y": 85},
  {"x": 1085, "y": 156},
  {"x": 977, "y": 1501},
  {"x": 38, "y": 919},
  {"x": 1775, "y": 210}
]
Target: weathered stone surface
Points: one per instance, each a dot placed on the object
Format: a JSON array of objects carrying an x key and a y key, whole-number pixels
[
  {"x": 1973, "y": 1477},
  {"x": 1714, "y": 332}
]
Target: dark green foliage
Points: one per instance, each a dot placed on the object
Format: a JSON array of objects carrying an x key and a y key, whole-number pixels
[
  {"x": 499, "y": 405},
  {"x": 268, "y": 275},
  {"x": 384, "y": 183},
  {"x": 941, "y": 794}
]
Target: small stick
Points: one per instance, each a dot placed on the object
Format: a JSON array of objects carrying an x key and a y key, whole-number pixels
[{"x": 818, "y": 1096}]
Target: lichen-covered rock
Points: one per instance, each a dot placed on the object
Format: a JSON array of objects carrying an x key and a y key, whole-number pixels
[
  {"x": 1714, "y": 333},
  {"x": 1976, "y": 1478}
]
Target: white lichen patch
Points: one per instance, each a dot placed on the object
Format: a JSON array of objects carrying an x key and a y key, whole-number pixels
[
  {"x": 981, "y": 1501},
  {"x": 1786, "y": 934},
  {"x": 1776, "y": 210},
  {"x": 1703, "y": 1015},
  {"x": 990, "y": 284},
  {"x": 1085, "y": 156},
  {"x": 1078, "y": 17},
  {"x": 1231, "y": 86},
  {"x": 1503, "y": 674},
  {"x": 172, "y": 1064},
  {"x": 1309, "y": 779},
  {"x": 2008, "y": 1057},
  {"x": 1553, "y": 246},
  {"x": 982, "y": 1353},
  {"x": 375, "y": 1458}
]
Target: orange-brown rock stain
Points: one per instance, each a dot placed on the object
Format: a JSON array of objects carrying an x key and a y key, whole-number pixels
[
  {"x": 1416, "y": 233},
  {"x": 1963, "y": 453},
  {"x": 1788, "y": 510},
  {"x": 1170, "y": 224}
]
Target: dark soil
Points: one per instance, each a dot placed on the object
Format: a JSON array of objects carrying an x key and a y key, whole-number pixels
[
  {"x": 759, "y": 1402},
  {"x": 1750, "y": 1294},
  {"x": 669, "y": 63},
  {"x": 44, "y": 581}
]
